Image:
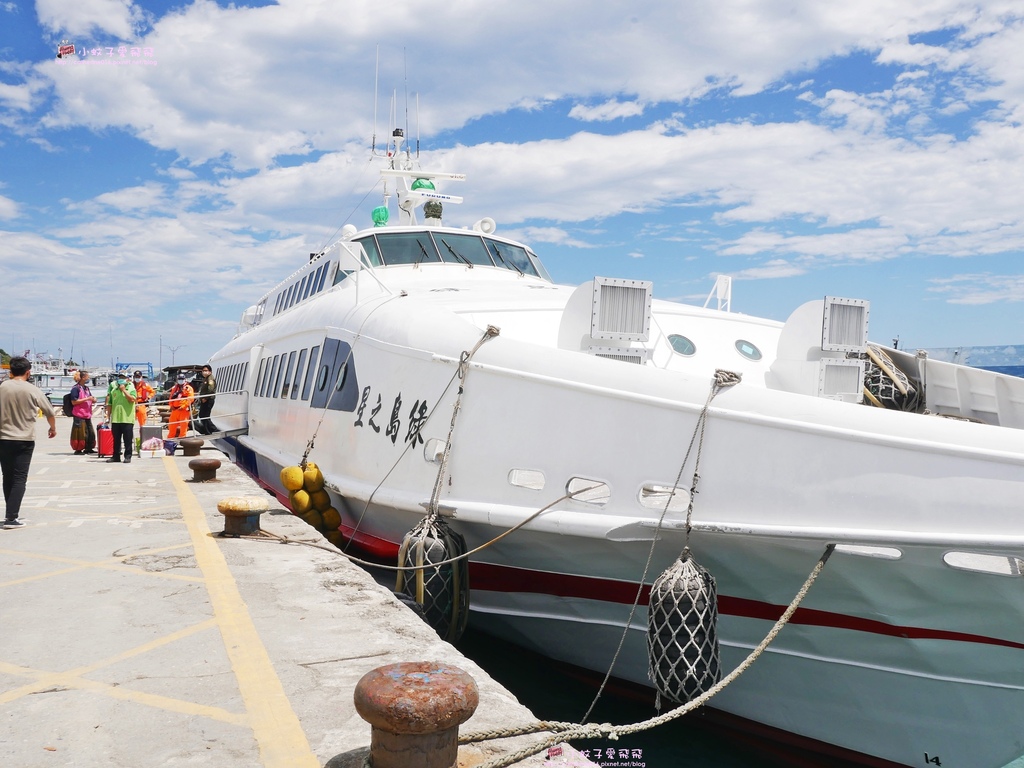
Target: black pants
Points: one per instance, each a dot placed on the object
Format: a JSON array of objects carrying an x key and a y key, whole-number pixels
[
  {"x": 205, "y": 409},
  {"x": 125, "y": 432},
  {"x": 15, "y": 457}
]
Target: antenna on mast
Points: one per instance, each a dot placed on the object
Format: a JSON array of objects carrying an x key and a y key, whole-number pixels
[
  {"x": 405, "y": 65},
  {"x": 376, "y": 79},
  {"x": 417, "y": 125}
]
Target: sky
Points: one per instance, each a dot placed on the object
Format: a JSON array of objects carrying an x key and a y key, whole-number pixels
[{"x": 188, "y": 156}]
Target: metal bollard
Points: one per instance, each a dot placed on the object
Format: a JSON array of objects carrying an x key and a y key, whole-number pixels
[
  {"x": 190, "y": 446},
  {"x": 414, "y": 710},
  {"x": 241, "y": 514},
  {"x": 204, "y": 470}
]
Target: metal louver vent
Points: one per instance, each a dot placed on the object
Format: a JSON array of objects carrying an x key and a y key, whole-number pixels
[
  {"x": 625, "y": 354},
  {"x": 842, "y": 380},
  {"x": 844, "y": 327},
  {"x": 621, "y": 310}
]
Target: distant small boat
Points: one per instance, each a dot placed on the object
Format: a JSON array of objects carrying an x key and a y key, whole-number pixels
[{"x": 56, "y": 378}]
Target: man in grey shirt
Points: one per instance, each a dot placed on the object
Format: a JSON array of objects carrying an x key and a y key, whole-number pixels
[{"x": 20, "y": 401}]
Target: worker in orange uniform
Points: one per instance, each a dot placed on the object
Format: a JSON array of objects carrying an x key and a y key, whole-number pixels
[
  {"x": 144, "y": 392},
  {"x": 181, "y": 397}
]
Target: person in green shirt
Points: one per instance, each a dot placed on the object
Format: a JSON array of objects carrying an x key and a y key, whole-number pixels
[{"x": 121, "y": 397}]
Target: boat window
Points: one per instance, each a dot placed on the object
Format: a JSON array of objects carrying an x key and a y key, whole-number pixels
[
  {"x": 245, "y": 372},
  {"x": 269, "y": 390},
  {"x": 512, "y": 257},
  {"x": 462, "y": 248},
  {"x": 539, "y": 265},
  {"x": 406, "y": 248},
  {"x": 310, "y": 371},
  {"x": 682, "y": 345},
  {"x": 261, "y": 377},
  {"x": 371, "y": 254},
  {"x": 336, "y": 384},
  {"x": 303, "y": 288},
  {"x": 298, "y": 373},
  {"x": 748, "y": 350},
  {"x": 279, "y": 371},
  {"x": 288, "y": 375},
  {"x": 310, "y": 282}
]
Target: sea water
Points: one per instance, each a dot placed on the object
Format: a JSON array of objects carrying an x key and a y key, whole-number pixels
[{"x": 553, "y": 692}]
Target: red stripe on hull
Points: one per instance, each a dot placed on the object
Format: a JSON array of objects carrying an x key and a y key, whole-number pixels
[{"x": 501, "y": 578}]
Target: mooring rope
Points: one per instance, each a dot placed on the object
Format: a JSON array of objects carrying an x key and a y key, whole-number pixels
[
  {"x": 460, "y": 372},
  {"x": 568, "y": 731},
  {"x": 721, "y": 380},
  {"x": 463, "y": 372}
]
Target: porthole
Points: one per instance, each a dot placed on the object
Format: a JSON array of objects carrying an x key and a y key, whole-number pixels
[
  {"x": 748, "y": 350},
  {"x": 342, "y": 376},
  {"x": 321, "y": 379},
  {"x": 682, "y": 345}
]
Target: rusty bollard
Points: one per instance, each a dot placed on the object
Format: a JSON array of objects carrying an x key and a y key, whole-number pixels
[
  {"x": 204, "y": 470},
  {"x": 190, "y": 446},
  {"x": 414, "y": 710}
]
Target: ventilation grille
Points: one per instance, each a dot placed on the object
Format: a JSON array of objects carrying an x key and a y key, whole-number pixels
[
  {"x": 625, "y": 354},
  {"x": 842, "y": 380},
  {"x": 844, "y": 327},
  {"x": 622, "y": 309}
]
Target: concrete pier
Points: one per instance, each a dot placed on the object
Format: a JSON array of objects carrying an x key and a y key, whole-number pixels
[{"x": 132, "y": 635}]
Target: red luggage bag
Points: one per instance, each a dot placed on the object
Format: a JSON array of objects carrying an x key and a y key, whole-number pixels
[{"x": 104, "y": 441}]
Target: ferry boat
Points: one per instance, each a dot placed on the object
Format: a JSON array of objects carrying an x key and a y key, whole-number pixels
[{"x": 411, "y": 349}]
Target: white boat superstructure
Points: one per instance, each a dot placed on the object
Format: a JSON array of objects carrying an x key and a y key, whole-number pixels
[{"x": 909, "y": 650}]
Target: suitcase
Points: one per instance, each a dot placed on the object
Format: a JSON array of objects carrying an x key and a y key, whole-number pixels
[{"x": 104, "y": 441}]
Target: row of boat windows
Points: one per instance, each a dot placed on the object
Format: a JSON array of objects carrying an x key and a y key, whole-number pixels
[
  {"x": 451, "y": 247},
  {"x": 310, "y": 285},
  {"x": 287, "y": 374},
  {"x": 231, "y": 378},
  {"x": 687, "y": 348}
]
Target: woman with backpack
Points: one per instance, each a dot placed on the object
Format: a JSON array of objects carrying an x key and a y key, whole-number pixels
[{"x": 83, "y": 436}]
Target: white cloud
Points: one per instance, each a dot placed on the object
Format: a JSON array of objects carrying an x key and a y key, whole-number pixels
[
  {"x": 120, "y": 19},
  {"x": 610, "y": 110},
  {"x": 9, "y": 209}
]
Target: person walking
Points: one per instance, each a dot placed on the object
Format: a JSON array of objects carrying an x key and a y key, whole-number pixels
[
  {"x": 180, "y": 400},
  {"x": 121, "y": 410},
  {"x": 83, "y": 436},
  {"x": 206, "y": 396},
  {"x": 144, "y": 392},
  {"x": 20, "y": 401}
]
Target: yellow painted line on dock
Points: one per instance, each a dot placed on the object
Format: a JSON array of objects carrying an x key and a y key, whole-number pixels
[
  {"x": 275, "y": 726},
  {"x": 73, "y": 679},
  {"x": 114, "y": 564}
]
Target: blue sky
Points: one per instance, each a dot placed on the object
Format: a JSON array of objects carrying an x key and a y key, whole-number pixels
[{"x": 873, "y": 150}]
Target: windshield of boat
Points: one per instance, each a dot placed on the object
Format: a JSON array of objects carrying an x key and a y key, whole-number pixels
[{"x": 389, "y": 248}]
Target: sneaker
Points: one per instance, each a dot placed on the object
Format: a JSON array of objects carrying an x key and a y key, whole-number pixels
[
  {"x": 79, "y": 453},
  {"x": 15, "y": 523},
  {"x": 113, "y": 461},
  {"x": 90, "y": 450},
  {"x": 127, "y": 459}
]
